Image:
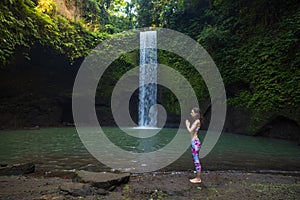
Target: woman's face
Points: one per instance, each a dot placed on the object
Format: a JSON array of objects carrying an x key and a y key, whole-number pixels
[{"x": 193, "y": 114}]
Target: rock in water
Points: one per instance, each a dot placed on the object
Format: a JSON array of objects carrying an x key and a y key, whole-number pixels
[
  {"x": 104, "y": 180},
  {"x": 17, "y": 169}
]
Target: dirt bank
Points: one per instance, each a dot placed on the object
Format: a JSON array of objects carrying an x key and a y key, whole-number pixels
[{"x": 216, "y": 185}]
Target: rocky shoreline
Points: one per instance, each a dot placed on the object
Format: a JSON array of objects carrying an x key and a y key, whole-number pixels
[{"x": 156, "y": 185}]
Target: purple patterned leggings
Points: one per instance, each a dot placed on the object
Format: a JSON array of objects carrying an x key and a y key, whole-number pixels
[{"x": 196, "y": 145}]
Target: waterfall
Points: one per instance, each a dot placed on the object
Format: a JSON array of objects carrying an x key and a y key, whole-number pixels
[{"x": 148, "y": 79}]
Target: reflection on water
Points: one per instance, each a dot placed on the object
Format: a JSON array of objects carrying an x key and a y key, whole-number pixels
[{"x": 61, "y": 148}]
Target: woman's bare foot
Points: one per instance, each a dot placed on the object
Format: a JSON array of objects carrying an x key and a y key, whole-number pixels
[{"x": 195, "y": 180}]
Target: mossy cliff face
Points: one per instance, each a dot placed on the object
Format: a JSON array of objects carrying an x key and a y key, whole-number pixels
[
  {"x": 43, "y": 45},
  {"x": 37, "y": 92}
]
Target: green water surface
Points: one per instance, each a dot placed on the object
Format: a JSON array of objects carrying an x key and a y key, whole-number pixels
[{"x": 61, "y": 148}]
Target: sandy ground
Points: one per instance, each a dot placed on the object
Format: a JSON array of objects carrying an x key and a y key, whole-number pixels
[{"x": 215, "y": 185}]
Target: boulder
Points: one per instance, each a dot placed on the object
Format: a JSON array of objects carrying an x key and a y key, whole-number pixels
[
  {"x": 280, "y": 127},
  {"x": 76, "y": 189},
  {"x": 104, "y": 180},
  {"x": 17, "y": 169}
]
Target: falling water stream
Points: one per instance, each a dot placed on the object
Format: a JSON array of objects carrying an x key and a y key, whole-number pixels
[{"x": 148, "y": 79}]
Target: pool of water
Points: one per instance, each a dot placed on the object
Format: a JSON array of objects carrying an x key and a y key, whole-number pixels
[{"x": 61, "y": 148}]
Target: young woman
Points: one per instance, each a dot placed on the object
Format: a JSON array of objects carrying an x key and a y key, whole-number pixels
[{"x": 196, "y": 145}]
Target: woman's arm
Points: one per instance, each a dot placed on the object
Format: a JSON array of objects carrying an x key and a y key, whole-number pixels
[{"x": 193, "y": 127}]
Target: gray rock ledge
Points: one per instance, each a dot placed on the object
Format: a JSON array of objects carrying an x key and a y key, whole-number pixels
[
  {"x": 76, "y": 189},
  {"x": 104, "y": 180},
  {"x": 17, "y": 169}
]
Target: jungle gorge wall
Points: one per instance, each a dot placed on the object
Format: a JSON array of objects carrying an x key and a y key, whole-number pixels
[
  {"x": 37, "y": 92},
  {"x": 256, "y": 52}
]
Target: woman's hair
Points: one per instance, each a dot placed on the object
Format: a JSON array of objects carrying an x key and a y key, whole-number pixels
[{"x": 198, "y": 114}]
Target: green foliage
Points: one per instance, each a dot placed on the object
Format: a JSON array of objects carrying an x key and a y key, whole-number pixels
[
  {"x": 186, "y": 70},
  {"x": 159, "y": 13},
  {"x": 121, "y": 16},
  {"x": 24, "y": 24},
  {"x": 12, "y": 28},
  {"x": 48, "y": 7},
  {"x": 94, "y": 13},
  {"x": 213, "y": 37},
  {"x": 263, "y": 53},
  {"x": 271, "y": 64},
  {"x": 254, "y": 44}
]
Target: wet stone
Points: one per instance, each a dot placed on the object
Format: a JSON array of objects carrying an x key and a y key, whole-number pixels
[
  {"x": 76, "y": 189},
  {"x": 104, "y": 180},
  {"x": 17, "y": 169}
]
